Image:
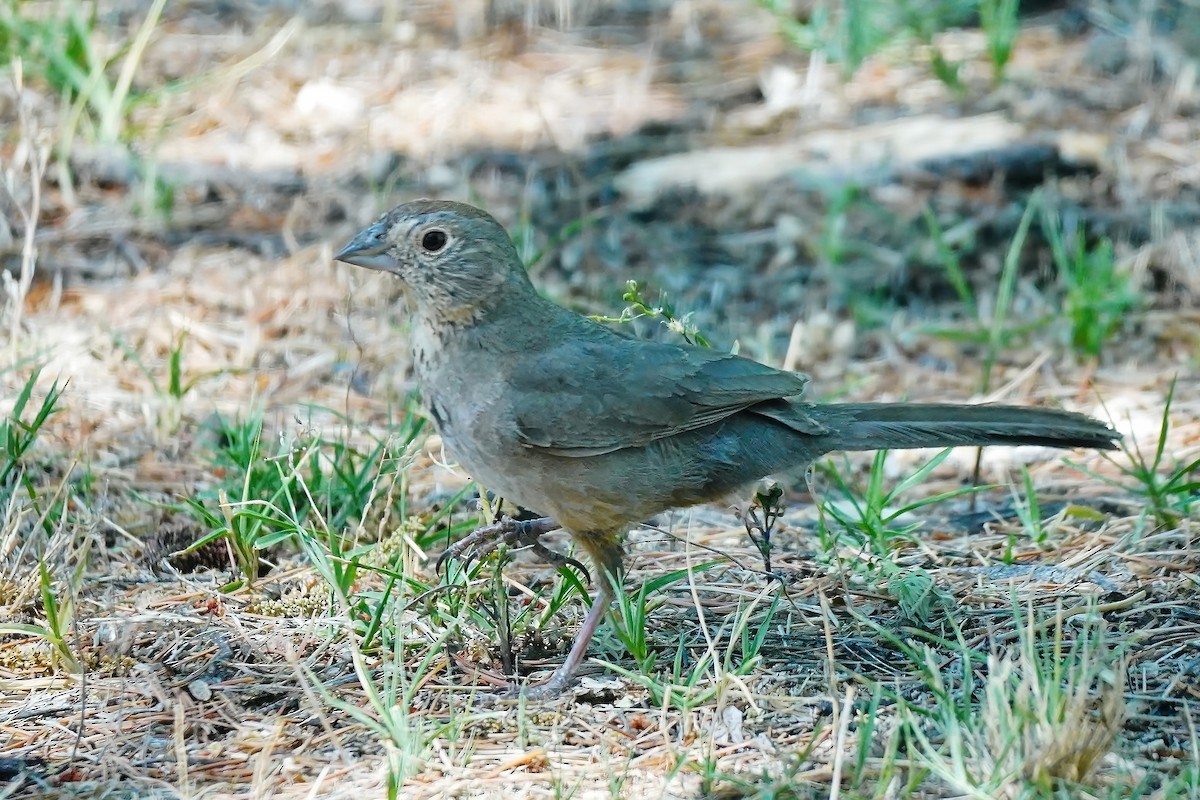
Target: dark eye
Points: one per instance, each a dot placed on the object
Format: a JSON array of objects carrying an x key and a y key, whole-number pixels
[{"x": 433, "y": 240}]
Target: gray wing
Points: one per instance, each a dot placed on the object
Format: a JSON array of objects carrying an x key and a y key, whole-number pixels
[{"x": 584, "y": 398}]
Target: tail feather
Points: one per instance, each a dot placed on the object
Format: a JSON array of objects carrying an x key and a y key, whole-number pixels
[{"x": 877, "y": 426}]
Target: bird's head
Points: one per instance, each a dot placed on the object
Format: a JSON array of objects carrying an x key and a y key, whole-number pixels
[{"x": 455, "y": 260}]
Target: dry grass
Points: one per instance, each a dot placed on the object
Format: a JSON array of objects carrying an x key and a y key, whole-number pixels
[{"x": 1066, "y": 662}]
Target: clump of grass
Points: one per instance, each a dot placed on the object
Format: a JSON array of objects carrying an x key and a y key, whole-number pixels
[
  {"x": 1170, "y": 488},
  {"x": 872, "y": 517},
  {"x": 1029, "y": 510},
  {"x": 688, "y": 682},
  {"x": 19, "y": 430},
  {"x": 59, "y": 44},
  {"x": 640, "y": 307},
  {"x": 322, "y": 494},
  {"x": 58, "y": 609},
  {"x": 1098, "y": 295},
  {"x": 998, "y": 18},
  {"x": 994, "y": 330},
  {"x": 37, "y": 527},
  {"x": 1024, "y": 722},
  {"x": 264, "y": 498},
  {"x": 396, "y": 647},
  {"x": 873, "y": 514},
  {"x": 848, "y": 33},
  {"x": 171, "y": 389}
]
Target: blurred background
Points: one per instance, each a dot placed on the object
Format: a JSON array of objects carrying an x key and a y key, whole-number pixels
[{"x": 819, "y": 182}]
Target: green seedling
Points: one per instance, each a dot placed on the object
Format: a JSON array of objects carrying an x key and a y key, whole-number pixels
[
  {"x": 689, "y": 682},
  {"x": 999, "y": 20},
  {"x": 59, "y": 610},
  {"x": 1098, "y": 295},
  {"x": 1170, "y": 491},
  {"x": 873, "y": 515},
  {"x": 19, "y": 430},
  {"x": 639, "y": 307},
  {"x": 171, "y": 389},
  {"x": 1037, "y": 719},
  {"x": 1029, "y": 511}
]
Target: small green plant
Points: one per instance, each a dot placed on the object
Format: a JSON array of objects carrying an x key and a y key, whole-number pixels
[
  {"x": 537, "y": 611},
  {"x": 861, "y": 774},
  {"x": 873, "y": 513},
  {"x": 318, "y": 494},
  {"x": 172, "y": 390},
  {"x": 998, "y": 18},
  {"x": 639, "y": 307},
  {"x": 834, "y": 245},
  {"x": 379, "y": 619},
  {"x": 873, "y": 517},
  {"x": 994, "y": 330},
  {"x": 390, "y": 690},
  {"x": 1038, "y": 719},
  {"x": 1098, "y": 295},
  {"x": 524, "y": 236},
  {"x": 248, "y": 523},
  {"x": 920, "y": 599},
  {"x": 688, "y": 682},
  {"x": 17, "y": 435},
  {"x": 1029, "y": 511},
  {"x": 850, "y": 32},
  {"x": 846, "y": 33},
  {"x": 1185, "y": 785},
  {"x": 492, "y": 609},
  {"x": 58, "y": 607},
  {"x": 265, "y": 499},
  {"x": 950, "y": 262},
  {"x": 156, "y": 199},
  {"x": 999, "y": 334},
  {"x": 343, "y": 563},
  {"x": 19, "y": 430},
  {"x": 769, "y": 502},
  {"x": 1170, "y": 491},
  {"x": 634, "y": 609},
  {"x": 58, "y": 44}
]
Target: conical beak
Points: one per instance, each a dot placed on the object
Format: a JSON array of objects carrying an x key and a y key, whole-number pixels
[{"x": 368, "y": 249}]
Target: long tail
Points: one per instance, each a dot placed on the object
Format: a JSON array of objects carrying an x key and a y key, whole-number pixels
[{"x": 877, "y": 426}]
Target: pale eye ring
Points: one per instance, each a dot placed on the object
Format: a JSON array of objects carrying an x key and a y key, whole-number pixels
[{"x": 434, "y": 240}]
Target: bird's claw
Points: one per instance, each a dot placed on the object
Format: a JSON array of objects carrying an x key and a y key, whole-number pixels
[
  {"x": 523, "y": 533},
  {"x": 552, "y": 689},
  {"x": 558, "y": 560}
]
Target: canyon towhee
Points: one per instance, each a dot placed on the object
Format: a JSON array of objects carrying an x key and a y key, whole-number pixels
[{"x": 597, "y": 430}]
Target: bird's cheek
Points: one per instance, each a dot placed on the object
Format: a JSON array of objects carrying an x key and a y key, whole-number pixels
[{"x": 414, "y": 280}]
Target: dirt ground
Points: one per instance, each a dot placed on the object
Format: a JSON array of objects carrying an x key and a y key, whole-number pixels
[{"x": 782, "y": 203}]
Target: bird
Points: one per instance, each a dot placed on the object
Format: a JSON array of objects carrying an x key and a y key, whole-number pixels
[{"x": 598, "y": 430}]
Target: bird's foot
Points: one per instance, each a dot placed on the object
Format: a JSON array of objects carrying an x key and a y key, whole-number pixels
[
  {"x": 564, "y": 676},
  {"x": 521, "y": 533},
  {"x": 539, "y": 693}
]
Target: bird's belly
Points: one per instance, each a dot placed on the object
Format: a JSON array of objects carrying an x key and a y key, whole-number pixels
[
  {"x": 612, "y": 490},
  {"x": 581, "y": 494},
  {"x": 594, "y": 493}
]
